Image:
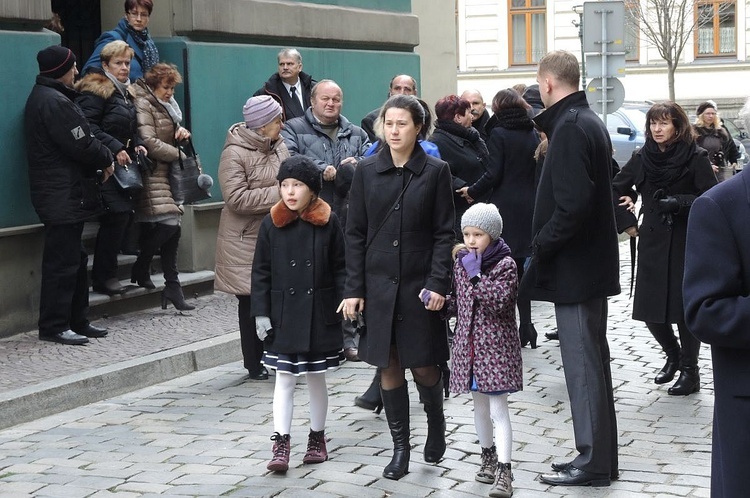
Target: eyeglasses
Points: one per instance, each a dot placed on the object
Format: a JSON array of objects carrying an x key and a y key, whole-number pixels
[{"x": 142, "y": 15}]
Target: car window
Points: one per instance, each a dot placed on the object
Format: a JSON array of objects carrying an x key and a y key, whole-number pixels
[
  {"x": 615, "y": 121},
  {"x": 637, "y": 117},
  {"x": 733, "y": 130}
]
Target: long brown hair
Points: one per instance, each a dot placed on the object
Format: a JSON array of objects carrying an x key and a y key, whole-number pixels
[{"x": 669, "y": 110}]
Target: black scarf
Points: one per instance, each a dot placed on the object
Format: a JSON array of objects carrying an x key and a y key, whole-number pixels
[
  {"x": 664, "y": 168},
  {"x": 469, "y": 134},
  {"x": 147, "y": 45},
  {"x": 514, "y": 119}
]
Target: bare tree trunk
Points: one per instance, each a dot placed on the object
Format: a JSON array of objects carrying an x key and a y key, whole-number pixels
[{"x": 670, "y": 79}]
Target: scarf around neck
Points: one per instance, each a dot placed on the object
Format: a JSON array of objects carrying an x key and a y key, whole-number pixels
[
  {"x": 121, "y": 87},
  {"x": 514, "y": 119},
  {"x": 147, "y": 46},
  {"x": 491, "y": 256},
  {"x": 664, "y": 168},
  {"x": 469, "y": 134}
]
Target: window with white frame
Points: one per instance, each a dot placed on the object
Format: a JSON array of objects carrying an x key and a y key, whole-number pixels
[{"x": 716, "y": 28}]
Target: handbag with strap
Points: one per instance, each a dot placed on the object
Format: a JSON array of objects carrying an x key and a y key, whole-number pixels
[
  {"x": 128, "y": 177},
  {"x": 183, "y": 176}
]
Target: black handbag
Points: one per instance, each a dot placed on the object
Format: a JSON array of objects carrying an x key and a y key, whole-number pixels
[
  {"x": 183, "y": 176},
  {"x": 128, "y": 177}
]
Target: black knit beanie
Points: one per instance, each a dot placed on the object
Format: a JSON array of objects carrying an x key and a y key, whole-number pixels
[
  {"x": 702, "y": 108},
  {"x": 55, "y": 61},
  {"x": 301, "y": 168}
]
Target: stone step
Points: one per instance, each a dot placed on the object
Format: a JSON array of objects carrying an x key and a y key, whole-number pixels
[{"x": 137, "y": 298}]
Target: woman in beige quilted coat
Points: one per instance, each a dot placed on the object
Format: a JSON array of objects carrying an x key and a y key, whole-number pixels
[
  {"x": 249, "y": 162},
  {"x": 159, "y": 119}
]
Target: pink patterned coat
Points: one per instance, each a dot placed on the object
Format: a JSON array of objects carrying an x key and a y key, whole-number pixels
[{"x": 486, "y": 337}]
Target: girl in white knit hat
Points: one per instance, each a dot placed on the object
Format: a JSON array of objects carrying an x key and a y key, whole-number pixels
[{"x": 486, "y": 359}]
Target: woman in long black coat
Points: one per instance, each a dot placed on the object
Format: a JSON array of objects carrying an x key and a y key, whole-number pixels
[
  {"x": 669, "y": 173},
  {"x": 398, "y": 242},
  {"x": 509, "y": 183},
  {"x": 108, "y": 103},
  {"x": 462, "y": 148}
]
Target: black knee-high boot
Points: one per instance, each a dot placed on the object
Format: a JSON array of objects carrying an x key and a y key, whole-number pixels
[
  {"x": 432, "y": 399},
  {"x": 689, "y": 380},
  {"x": 664, "y": 335},
  {"x": 371, "y": 399},
  {"x": 396, "y": 403}
]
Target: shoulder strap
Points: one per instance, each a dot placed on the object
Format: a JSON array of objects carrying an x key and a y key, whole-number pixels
[{"x": 390, "y": 210}]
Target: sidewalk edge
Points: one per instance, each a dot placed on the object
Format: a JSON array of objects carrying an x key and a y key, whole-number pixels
[{"x": 71, "y": 391}]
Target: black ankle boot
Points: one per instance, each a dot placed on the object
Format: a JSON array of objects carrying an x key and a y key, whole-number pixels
[
  {"x": 371, "y": 399},
  {"x": 528, "y": 335},
  {"x": 140, "y": 273},
  {"x": 446, "y": 371},
  {"x": 396, "y": 403},
  {"x": 432, "y": 399},
  {"x": 667, "y": 373},
  {"x": 689, "y": 382},
  {"x": 173, "y": 293}
]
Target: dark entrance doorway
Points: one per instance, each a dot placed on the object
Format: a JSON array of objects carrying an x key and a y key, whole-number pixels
[{"x": 81, "y": 20}]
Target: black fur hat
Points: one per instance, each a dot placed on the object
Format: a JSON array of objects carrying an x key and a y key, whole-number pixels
[{"x": 303, "y": 169}]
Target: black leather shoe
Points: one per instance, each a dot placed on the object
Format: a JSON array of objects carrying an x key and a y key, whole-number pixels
[
  {"x": 259, "y": 374},
  {"x": 573, "y": 476},
  {"x": 552, "y": 336},
  {"x": 558, "y": 466},
  {"x": 67, "y": 337},
  {"x": 351, "y": 354},
  {"x": 111, "y": 287},
  {"x": 91, "y": 331}
]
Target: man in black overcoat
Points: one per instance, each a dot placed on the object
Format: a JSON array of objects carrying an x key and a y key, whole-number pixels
[
  {"x": 575, "y": 264},
  {"x": 716, "y": 294},
  {"x": 64, "y": 161}
]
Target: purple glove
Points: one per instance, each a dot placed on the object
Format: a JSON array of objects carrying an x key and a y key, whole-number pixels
[
  {"x": 472, "y": 263},
  {"x": 425, "y": 296}
]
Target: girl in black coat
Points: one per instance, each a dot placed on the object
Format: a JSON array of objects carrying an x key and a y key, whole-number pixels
[
  {"x": 510, "y": 184},
  {"x": 297, "y": 280},
  {"x": 399, "y": 237},
  {"x": 108, "y": 103},
  {"x": 669, "y": 172}
]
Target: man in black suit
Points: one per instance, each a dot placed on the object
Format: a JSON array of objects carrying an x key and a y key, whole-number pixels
[
  {"x": 715, "y": 292},
  {"x": 575, "y": 264},
  {"x": 290, "y": 86}
]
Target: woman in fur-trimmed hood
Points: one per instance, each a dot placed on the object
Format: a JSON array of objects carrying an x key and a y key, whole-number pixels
[{"x": 107, "y": 101}]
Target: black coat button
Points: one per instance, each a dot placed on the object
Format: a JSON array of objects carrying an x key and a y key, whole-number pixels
[
  {"x": 308, "y": 262},
  {"x": 399, "y": 171},
  {"x": 293, "y": 263},
  {"x": 395, "y": 243},
  {"x": 399, "y": 318},
  {"x": 292, "y": 291},
  {"x": 309, "y": 292},
  {"x": 394, "y": 280},
  {"x": 397, "y": 207}
]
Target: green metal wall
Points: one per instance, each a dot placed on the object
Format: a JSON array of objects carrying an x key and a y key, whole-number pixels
[
  {"x": 221, "y": 77},
  {"x": 18, "y": 60}
]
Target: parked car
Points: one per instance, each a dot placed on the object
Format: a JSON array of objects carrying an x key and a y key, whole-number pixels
[{"x": 626, "y": 127}]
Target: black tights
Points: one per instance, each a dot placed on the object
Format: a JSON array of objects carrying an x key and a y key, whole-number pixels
[{"x": 689, "y": 346}]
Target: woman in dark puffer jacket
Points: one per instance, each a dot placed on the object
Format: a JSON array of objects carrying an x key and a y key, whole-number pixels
[{"x": 108, "y": 103}]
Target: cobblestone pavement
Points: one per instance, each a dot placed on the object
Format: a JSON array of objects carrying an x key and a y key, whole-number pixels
[{"x": 207, "y": 434}]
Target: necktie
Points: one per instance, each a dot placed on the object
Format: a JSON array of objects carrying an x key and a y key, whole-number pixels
[{"x": 296, "y": 102}]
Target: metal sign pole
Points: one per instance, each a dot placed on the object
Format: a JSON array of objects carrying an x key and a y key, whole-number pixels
[{"x": 605, "y": 75}]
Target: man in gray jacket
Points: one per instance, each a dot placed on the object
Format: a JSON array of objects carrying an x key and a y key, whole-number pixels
[{"x": 335, "y": 145}]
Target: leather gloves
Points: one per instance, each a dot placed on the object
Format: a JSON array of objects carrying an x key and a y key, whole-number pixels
[
  {"x": 262, "y": 327},
  {"x": 472, "y": 263}
]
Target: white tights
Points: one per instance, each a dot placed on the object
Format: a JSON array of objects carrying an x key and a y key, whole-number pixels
[
  {"x": 283, "y": 401},
  {"x": 488, "y": 409}
]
